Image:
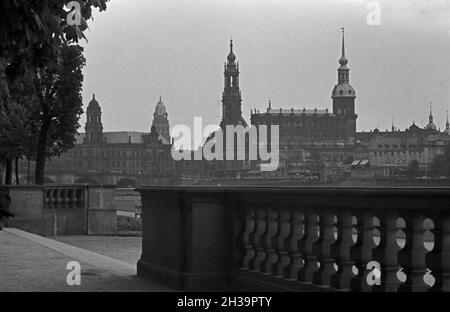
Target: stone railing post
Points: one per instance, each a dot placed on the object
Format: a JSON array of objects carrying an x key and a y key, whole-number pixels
[
  {"x": 282, "y": 244},
  {"x": 250, "y": 226},
  {"x": 341, "y": 251},
  {"x": 295, "y": 236},
  {"x": 386, "y": 253},
  {"x": 361, "y": 251},
  {"x": 269, "y": 242},
  {"x": 412, "y": 256},
  {"x": 438, "y": 260},
  {"x": 187, "y": 238},
  {"x": 305, "y": 274},
  {"x": 322, "y": 249},
  {"x": 257, "y": 240}
]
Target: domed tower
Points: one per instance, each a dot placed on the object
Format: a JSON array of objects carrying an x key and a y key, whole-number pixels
[
  {"x": 231, "y": 96},
  {"x": 160, "y": 120},
  {"x": 343, "y": 96},
  {"x": 93, "y": 127}
]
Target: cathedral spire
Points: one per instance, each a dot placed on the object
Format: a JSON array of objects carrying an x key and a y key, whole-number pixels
[
  {"x": 231, "y": 95},
  {"x": 343, "y": 60},
  {"x": 430, "y": 118},
  {"x": 343, "y": 88},
  {"x": 231, "y": 57},
  {"x": 430, "y": 125}
]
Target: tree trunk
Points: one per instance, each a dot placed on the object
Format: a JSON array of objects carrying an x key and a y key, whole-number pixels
[
  {"x": 17, "y": 170},
  {"x": 9, "y": 172},
  {"x": 28, "y": 172},
  {"x": 40, "y": 154}
]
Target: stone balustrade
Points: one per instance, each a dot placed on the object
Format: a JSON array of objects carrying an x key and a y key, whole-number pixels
[
  {"x": 297, "y": 239},
  {"x": 65, "y": 196},
  {"x": 52, "y": 210}
]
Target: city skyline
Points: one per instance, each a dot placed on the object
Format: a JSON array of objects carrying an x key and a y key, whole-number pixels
[{"x": 391, "y": 79}]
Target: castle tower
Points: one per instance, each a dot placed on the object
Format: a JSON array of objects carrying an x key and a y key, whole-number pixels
[
  {"x": 231, "y": 96},
  {"x": 160, "y": 120},
  {"x": 93, "y": 126},
  {"x": 343, "y": 96}
]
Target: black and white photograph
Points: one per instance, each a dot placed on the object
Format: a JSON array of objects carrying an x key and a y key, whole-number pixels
[{"x": 224, "y": 151}]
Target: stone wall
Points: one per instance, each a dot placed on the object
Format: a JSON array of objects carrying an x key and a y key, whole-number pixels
[{"x": 64, "y": 209}]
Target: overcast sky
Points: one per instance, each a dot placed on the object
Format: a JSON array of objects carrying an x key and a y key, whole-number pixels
[{"x": 288, "y": 51}]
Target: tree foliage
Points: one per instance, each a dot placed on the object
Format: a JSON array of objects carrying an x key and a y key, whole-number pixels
[
  {"x": 60, "y": 106},
  {"x": 413, "y": 169},
  {"x": 441, "y": 164},
  {"x": 40, "y": 78},
  {"x": 35, "y": 30}
]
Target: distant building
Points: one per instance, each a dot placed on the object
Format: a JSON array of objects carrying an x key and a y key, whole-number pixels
[
  {"x": 316, "y": 145},
  {"x": 128, "y": 153},
  {"x": 400, "y": 148}
]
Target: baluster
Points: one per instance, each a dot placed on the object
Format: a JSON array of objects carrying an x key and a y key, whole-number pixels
[
  {"x": 281, "y": 243},
  {"x": 257, "y": 237},
  {"x": 269, "y": 241},
  {"x": 249, "y": 250},
  {"x": 386, "y": 253},
  {"x": 322, "y": 249},
  {"x": 341, "y": 251},
  {"x": 62, "y": 197},
  {"x": 438, "y": 260},
  {"x": 70, "y": 197},
  {"x": 80, "y": 197},
  {"x": 412, "y": 256},
  {"x": 305, "y": 274},
  {"x": 56, "y": 197},
  {"x": 48, "y": 198},
  {"x": 296, "y": 233},
  {"x": 361, "y": 251}
]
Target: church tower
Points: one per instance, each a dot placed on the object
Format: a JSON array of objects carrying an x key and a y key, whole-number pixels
[
  {"x": 344, "y": 99},
  {"x": 160, "y": 120},
  {"x": 93, "y": 127},
  {"x": 231, "y": 96}
]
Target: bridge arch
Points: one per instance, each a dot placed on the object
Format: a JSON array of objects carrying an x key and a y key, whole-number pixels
[
  {"x": 86, "y": 180},
  {"x": 126, "y": 182}
]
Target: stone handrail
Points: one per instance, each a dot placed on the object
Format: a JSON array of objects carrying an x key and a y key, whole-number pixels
[
  {"x": 68, "y": 196},
  {"x": 62, "y": 209},
  {"x": 299, "y": 239}
]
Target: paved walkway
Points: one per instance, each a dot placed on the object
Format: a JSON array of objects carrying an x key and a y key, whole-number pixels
[
  {"x": 124, "y": 248},
  {"x": 30, "y": 262}
]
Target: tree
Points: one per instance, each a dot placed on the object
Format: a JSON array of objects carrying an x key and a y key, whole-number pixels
[
  {"x": 441, "y": 164},
  {"x": 60, "y": 107},
  {"x": 33, "y": 37},
  {"x": 413, "y": 169},
  {"x": 34, "y": 30},
  {"x": 17, "y": 107}
]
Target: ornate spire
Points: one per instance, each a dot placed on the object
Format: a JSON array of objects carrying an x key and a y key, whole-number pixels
[
  {"x": 231, "y": 57},
  {"x": 270, "y": 104},
  {"x": 431, "y": 113},
  {"x": 343, "y": 60}
]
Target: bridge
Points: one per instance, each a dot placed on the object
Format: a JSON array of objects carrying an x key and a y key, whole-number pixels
[{"x": 92, "y": 177}]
